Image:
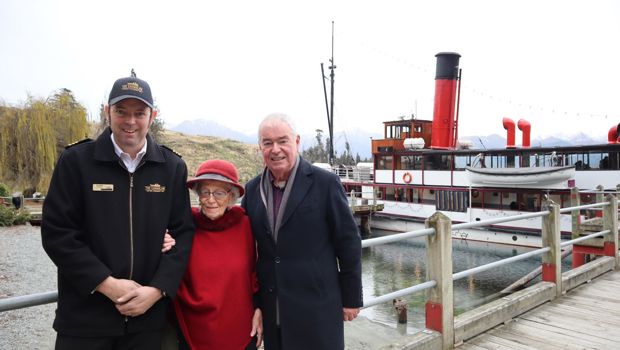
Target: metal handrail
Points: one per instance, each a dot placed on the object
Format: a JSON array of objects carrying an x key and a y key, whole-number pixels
[
  {"x": 397, "y": 237},
  {"x": 584, "y": 238},
  {"x": 585, "y": 206},
  {"x": 485, "y": 267},
  {"x": 399, "y": 293},
  {"x": 52, "y": 296},
  {"x": 28, "y": 300}
]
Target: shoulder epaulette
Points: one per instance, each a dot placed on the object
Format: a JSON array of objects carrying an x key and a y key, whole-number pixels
[
  {"x": 77, "y": 142},
  {"x": 171, "y": 150}
]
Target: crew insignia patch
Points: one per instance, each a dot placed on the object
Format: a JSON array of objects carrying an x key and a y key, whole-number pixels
[{"x": 155, "y": 188}]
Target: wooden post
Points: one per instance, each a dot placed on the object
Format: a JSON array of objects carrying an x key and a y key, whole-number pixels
[
  {"x": 599, "y": 199},
  {"x": 575, "y": 201},
  {"x": 365, "y": 225},
  {"x": 440, "y": 300},
  {"x": 610, "y": 222},
  {"x": 552, "y": 261},
  {"x": 352, "y": 199},
  {"x": 400, "y": 305},
  {"x": 374, "y": 196}
]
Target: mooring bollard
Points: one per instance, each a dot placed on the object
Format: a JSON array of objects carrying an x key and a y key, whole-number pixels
[{"x": 401, "y": 309}]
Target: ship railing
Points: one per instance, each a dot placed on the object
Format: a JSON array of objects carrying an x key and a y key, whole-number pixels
[
  {"x": 439, "y": 315},
  {"x": 353, "y": 173},
  {"x": 443, "y": 329}
]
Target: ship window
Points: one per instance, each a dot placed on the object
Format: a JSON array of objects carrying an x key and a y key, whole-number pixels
[
  {"x": 583, "y": 161},
  {"x": 406, "y": 162},
  {"x": 460, "y": 162},
  {"x": 397, "y": 131},
  {"x": 411, "y": 162},
  {"x": 437, "y": 162},
  {"x": 384, "y": 163}
]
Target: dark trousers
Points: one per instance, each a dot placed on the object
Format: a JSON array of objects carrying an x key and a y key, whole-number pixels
[
  {"x": 277, "y": 344},
  {"x": 134, "y": 341}
]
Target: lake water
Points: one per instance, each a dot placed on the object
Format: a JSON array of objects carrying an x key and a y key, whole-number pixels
[{"x": 390, "y": 267}]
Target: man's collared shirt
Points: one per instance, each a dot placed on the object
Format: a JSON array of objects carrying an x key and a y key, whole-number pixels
[{"x": 130, "y": 164}]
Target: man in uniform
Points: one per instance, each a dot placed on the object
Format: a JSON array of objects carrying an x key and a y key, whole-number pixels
[{"x": 109, "y": 204}]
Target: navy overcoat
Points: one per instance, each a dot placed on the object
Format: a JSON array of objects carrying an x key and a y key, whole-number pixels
[{"x": 314, "y": 269}]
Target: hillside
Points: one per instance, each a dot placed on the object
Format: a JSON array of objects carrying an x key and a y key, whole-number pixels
[{"x": 195, "y": 149}]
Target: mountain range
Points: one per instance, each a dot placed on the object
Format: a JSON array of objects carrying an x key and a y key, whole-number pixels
[{"x": 359, "y": 140}]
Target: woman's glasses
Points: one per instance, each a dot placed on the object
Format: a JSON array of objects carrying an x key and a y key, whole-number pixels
[{"x": 216, "y": 194}]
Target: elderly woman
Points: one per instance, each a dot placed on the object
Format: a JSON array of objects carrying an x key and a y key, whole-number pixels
[{"x": 214, "y": 305}]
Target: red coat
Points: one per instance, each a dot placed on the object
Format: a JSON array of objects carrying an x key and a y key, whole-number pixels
[{"x": 214, "y": 302}]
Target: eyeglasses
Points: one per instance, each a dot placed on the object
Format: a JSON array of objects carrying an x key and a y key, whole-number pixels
[{"x": 216, "y": 194}]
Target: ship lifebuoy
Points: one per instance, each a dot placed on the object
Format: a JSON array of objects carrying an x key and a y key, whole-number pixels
[
  {"x": 407, "y": 177},
  {"x": 474, "y": 193}
]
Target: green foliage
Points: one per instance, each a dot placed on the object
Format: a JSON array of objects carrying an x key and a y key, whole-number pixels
[
  {"x": 10, "y": 216},
  {"x": 4, "y": 190},
  {"x": 318, "y": 152},
  {"x": 33, "y": 135},
  {"x": 156, "y": 129}
]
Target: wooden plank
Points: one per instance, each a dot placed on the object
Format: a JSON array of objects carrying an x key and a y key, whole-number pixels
[
  {"x": 584, "y": 301},
  {"x": 569, "y": 335},
  {"x": 598, "y": 294},
  {"x": 587, "y": 317},
  {"x": 468, "y": 346},
  {"x": 548, "y": 334},
  {"x": 525, "y": 340},
  {"x": 597, "y": 328},
  {"x": 494, "y": 342},
  {"x": 588, "y": 311},
  {"x": 579, "y": 311}
]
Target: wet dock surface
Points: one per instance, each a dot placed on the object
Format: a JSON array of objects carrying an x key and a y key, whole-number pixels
[{"x": 587, "y": 317}]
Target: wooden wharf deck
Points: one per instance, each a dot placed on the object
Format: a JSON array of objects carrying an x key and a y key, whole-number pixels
[{"x": 586, "y": 317}]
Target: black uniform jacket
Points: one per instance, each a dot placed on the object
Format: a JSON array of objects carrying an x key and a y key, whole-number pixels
[
  {"x": 99, "y": 220},
  {"x": 314, "y": 269}
]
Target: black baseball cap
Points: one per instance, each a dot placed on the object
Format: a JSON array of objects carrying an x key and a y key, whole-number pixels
[{"x": 131, "y": 87}]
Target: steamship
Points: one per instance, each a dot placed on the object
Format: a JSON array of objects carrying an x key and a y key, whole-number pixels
[{"x": 420, "y": 167}]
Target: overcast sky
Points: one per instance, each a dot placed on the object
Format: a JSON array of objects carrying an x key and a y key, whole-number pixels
[{"x": 554, "y": 63}]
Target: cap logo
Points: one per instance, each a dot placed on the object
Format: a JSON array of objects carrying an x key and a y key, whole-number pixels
[{"x": 132, "y": 86}]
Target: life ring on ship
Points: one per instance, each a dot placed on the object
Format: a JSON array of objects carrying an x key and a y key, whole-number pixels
[
  {"x": 474, "y": 193},
  {"x": 407, "y": 177}
]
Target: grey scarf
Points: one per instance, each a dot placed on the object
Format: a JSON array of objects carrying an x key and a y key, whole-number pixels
[{"x": 266, "y": 192}]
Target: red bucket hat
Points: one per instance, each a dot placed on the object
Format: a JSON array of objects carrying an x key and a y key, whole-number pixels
[{"x": 218, "y": 170}]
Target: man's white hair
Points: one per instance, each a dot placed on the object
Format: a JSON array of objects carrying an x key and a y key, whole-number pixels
[{"x": 277, "y": 117}]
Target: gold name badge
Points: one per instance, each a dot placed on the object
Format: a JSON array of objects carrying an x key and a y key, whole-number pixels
[
  {"x": 103, "y": 187},
  {"x": 155, "y": 188}
]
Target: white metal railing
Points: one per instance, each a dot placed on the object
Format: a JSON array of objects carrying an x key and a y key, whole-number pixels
[
  {"x": 439, "y": 229},
  {"x": 551, "y": 251}
]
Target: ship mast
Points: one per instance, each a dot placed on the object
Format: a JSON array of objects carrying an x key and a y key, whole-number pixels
[{"x": 330, "y": 106}]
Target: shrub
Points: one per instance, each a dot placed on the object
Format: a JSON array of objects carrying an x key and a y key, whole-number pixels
[
  {"x": 4, "y": 191},
  {"x": 10, "y": 216}
]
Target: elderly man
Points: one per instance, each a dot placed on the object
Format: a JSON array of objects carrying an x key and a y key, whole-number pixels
[
  {"x": 109, "y": 204},
  {"x": 309, "y": 247}
]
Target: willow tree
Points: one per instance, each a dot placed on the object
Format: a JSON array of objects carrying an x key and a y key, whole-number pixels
[
  {"x": 33, "y": 135},
  {"x": 69, "y": 115},
  {"x": 8, "y": 124},
  {"x": 35, "y": 144}
]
